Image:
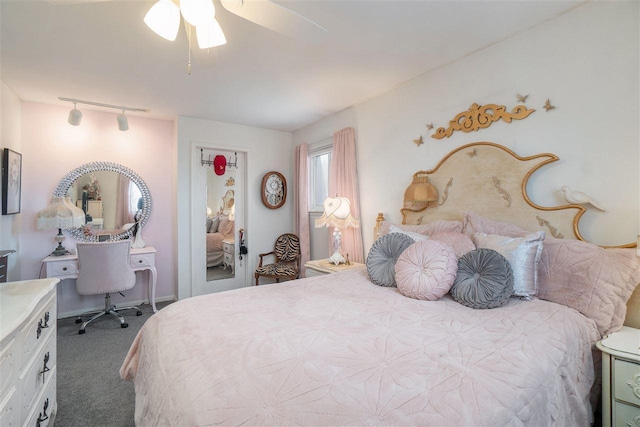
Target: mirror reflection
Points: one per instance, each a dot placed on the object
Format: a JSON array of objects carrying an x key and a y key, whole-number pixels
[
  {"x": 220, "y": 226},
  {"x": 110, "y": 201},
  {"x": 116, "y": 201}
]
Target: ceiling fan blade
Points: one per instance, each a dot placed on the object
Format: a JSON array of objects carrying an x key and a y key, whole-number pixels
[
  {"x": 74, "y": 1},
  {"x": 277, "y": 18}
]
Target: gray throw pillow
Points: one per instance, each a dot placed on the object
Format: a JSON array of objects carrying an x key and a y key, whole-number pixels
[
  {"x": 383, "y": 255},
  {"x": 484, "y": 280}
]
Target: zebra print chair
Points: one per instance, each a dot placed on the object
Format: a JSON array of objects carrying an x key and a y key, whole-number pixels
[{"x": 287, "y": 260}]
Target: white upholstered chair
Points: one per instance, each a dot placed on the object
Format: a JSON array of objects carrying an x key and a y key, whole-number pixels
[{"x": 104, "y": 268}]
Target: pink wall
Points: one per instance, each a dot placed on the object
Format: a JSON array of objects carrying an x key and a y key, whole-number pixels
[{"x": 51, "y": 148}]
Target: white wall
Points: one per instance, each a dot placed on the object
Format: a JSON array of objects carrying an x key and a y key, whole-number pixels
[
  {"x": 51, "y": 148},
  {"x": 267, "y": 150},
  {"x": 586, "y": 62},
  {"x": 10, "y": 138}
]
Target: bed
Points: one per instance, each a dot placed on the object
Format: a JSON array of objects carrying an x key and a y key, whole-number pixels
[{"x": 340, "y": 350}]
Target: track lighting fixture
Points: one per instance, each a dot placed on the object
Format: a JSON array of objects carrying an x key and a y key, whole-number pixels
[
  {"x": 75, "y": 115},
  {"x": 123, "y": 123}
]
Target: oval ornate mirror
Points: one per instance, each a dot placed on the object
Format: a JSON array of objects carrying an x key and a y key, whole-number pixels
[{"x": 112, "y": 196}]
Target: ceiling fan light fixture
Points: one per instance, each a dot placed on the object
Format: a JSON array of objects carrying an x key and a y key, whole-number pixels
[
  {"x": 210, "y": 34},
  {"x": 197, "y": 12},
  {"x": 164, "y": 19}
]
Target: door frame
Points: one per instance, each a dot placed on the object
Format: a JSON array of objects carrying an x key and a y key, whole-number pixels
[{"x": 198, "y": 206}]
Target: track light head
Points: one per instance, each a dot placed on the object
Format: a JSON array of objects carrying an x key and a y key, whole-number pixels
[
  {"x": 75, "y": 116},
  {"x": 123, "y": 123}
]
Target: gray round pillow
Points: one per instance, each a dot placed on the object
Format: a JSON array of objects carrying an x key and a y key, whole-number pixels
[
  {"x": 484, "y": 279},
  {"x": 383, "y": 255}
]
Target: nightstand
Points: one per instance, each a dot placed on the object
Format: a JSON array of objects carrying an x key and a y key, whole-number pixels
[
  {"x": 323, "y": 266},
  {"x": 621, "y": 378},
  {"x": 228, "y": 247}
]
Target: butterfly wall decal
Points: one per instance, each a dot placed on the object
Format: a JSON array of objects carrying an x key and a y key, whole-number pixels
[
  {"x": 548, "y": 106},
  {"x": 522, "y": 98},
  {"x": 418, "y": 141}
]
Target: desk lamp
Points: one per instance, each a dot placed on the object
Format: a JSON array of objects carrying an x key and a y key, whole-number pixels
[{"x": 61, "y": 213}]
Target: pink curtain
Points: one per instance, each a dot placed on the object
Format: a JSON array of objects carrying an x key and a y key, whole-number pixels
[
  {"x": 123, "y": 208},
  {"x": 301, "y": 203},
  {"x": 343, "y": 181}
]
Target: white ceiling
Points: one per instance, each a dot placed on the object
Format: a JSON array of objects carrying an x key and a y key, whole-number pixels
[{"x": 103, "y": 52}]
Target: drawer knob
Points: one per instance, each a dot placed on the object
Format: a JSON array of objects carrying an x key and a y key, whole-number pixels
[
  {"x": 139, "y": 261},
  {"x": 64, "y": 268},
  {"x": 43, "y": 415},
  {"x": 46, "y": 320},
  {"x": 39, "y": 330}
]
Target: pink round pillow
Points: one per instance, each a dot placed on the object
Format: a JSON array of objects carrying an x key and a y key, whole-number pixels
[{"x": 426, "y": 270}]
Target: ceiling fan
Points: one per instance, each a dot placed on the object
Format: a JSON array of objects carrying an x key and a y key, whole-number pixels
[{"x": 164, "y": 19}]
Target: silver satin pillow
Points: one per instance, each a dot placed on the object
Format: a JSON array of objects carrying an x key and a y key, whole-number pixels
[
  {"x": 381, "y": 261},
  {"x": 523, "y": 253}
]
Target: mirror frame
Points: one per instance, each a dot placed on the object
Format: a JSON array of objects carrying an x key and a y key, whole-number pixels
[{"x": 67, "y": 181}]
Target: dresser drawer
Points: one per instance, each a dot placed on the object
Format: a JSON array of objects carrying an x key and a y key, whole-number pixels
[
  {"x": 626, "y": 415},
  {"x": 63, "y": 268},
  {"x": 45, "y": 405},
  {"x": 141, "y": 260},
  {"x": 228, "y": 258},
  {"x": 627, "y": 382},
  {"x": 8, "y": 367},
  {"x": 228, "y": 247},
  {"x": 37, "y": 374},
  {"x": 38, "y": 328},
  {"x": 9, "y": 413}
]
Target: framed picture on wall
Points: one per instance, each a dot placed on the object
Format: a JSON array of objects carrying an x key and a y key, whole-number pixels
[{"x": 11, "y": 181}]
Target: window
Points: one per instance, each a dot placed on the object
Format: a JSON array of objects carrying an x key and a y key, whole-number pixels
[{"x": 319, "y": 161}]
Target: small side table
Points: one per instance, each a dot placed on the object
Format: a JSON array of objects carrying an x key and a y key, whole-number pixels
[
  {"x": 621, "y": 378},
  {"x": 3, "y": 264},
  {"x": 229, "y": 249},
  {"x": 323, "y": 266}
]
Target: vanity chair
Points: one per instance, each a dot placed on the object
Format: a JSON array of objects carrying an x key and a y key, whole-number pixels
[{"x": 104, "y": 268}]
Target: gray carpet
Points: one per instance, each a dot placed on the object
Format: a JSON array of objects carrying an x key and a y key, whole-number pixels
[{"x": 90, "y": 391}]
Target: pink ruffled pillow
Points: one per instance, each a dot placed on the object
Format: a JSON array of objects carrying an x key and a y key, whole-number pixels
[
  {"x": 474, "y": 223},
  {"x": 595, "y": 281},
  {"x": 428, "y": 229},
  {"x": 461, "y": 243},
  {"x": 426, "y": 270}
]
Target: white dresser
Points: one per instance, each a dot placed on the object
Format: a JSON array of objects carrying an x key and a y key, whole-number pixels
[
  {"x": 621, "y": 378},
  {"x": 28, "y": 353}
]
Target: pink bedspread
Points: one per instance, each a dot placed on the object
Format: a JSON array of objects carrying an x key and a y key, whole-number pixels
[{"x": 335, "y": 350}]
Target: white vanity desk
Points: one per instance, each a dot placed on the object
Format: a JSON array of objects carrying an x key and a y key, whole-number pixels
[{"x": 66, "y": 267}]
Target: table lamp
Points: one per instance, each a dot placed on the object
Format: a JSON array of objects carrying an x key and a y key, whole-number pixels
[
  {"x": 61, "y": 213},
  {"x": 337, "y": 213}
]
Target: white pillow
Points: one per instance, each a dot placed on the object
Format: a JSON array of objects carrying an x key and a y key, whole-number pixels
[
  {"x": 523, "y": 253},
  {"x": 417, "y": 237}
]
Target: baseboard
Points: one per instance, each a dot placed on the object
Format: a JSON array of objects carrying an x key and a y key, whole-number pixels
[{"x": 75, "y": 313}]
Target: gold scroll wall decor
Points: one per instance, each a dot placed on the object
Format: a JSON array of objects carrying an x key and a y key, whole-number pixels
[{"x": 481, "y": 117}]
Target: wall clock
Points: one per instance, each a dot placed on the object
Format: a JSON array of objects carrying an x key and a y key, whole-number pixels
[{"x": 274, "y": 190}]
